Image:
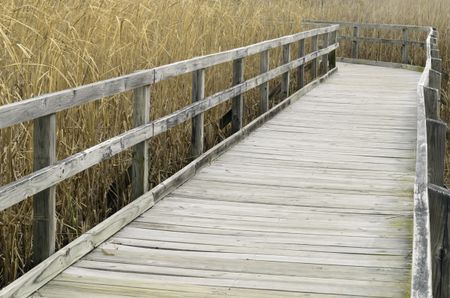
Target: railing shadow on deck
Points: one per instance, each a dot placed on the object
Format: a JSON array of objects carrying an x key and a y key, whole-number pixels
[
  {"x": 48, "y": 172},
  {"x": 431, "y": 244}
]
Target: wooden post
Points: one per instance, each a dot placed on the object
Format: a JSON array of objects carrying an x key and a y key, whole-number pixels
[
  {"x": 301, "y": 68},
  {"x": 436, "y": 64},
  {"x": 326, "y": 38},
  {"x": 332, "y": 56},
  {"x": 140, "y": 162},
  {"x": 286, "y": 57},
  {"x": 439, "y": 199},
  {"x": 405, "y": 56},
  {"x": 435, "y": 53},
  {"x": 264, "y": 88},
  {"x": 432, "y": 107},
  {"x": 355, "y": 43},
  {"x": 237, "y": 102},
  {"x": 198, "y": 93},
  {"x": 314, "y": 64},
  {"x": 44, "y": 214},
  {"x": 436, "y": 138}
]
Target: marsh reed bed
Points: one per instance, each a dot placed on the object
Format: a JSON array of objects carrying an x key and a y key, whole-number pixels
[{"x": 48, "y": 46}]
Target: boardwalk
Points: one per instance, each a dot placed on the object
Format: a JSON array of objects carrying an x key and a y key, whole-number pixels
[{"x": 316, "y": 202}]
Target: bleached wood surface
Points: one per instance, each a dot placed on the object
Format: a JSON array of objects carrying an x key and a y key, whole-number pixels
[{"x": 319, "y": 200}]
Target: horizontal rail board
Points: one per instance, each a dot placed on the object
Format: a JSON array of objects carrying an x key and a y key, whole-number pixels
[
  {"x": 382, "y": 40},
  {"x": 371, "y": 26},
  {"x": 29, "y": 185},
  {"x": 43, "y": 105}
]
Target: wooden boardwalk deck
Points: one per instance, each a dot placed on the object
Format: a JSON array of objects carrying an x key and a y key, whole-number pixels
[{"x": 316, "y": 202}]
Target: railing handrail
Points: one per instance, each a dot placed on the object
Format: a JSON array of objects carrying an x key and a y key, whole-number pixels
[
  {"x": 42, "y": 105},
  {"x": 370, "y": 25}
]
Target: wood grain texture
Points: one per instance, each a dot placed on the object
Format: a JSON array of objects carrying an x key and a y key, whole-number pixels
[
  {"x": 237, "y": 104},
  {"x": 285, "y": 80},
  {"x": 198, "y": 93},
  {"x": 44, "y": 202},
  {"x": 264, "y": 88},
  {"x": 326, "y": 220}
]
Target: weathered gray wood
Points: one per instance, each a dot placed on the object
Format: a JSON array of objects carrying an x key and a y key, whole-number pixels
[
  {"x": 371, "y": 26},
  {"x": 42, "y": 105},
  {"x": 440, "y": 242},
  {"x": 421, "y": 278},
  {"x": 383, "y": 40},
  {"x": 405, "y": 48},
  {"x": 355, "y": 42},
  {"x": 301, "y": 69},
  {"x": 140, "y": 163},
  {"x": 314, "y": 64},
  {"x": 237, "y": 109},
  {"x": 44, "y": 213},
  {"x": 44, "y": 272},
  {"x": 381, "y": 63},
  {"x": 435, "y": 53},
  {"x": 436, "y": 134},
  {"x": 432, "y": 106},
  {"x": 264, "y": 88},
  {"x": 31, "y": 184},
  {"x": 326, "y": 38},
  {"x": 285, "y": 80},
  {"x": 198, "y": 93},
  {"x": 436, "y": 64},
  {"x": 435, "y": 79}
]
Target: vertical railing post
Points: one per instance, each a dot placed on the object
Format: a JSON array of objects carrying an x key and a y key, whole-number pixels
[
  {"x": 432, "y": 105},
  {"x": 44, "y": 214},
  {"x": 332, "y": 56},
  {"x": 301, "y": 68},
  {"x": 405, "y": 49},
  {"x": 198, "y": 93},
  {"x": 314, "y": 64},
  {"x": 264, "y": 88},
  {"x": 355, "y": 42},
  {"x": 140, "y": 162},
  {"x": 286, "y": 57},
  {"x": 237, "y": 102},
  {"x": 436, "y": 135},
  {"x": 326, "y": 39}
]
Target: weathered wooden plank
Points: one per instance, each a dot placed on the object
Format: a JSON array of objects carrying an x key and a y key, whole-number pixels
[
  {"x": 432, "y": 105},
  {"x": 326, "y": 39},
  {"x": 371, "y": 26},
  {"x": 383, "y": 40},
  {"x": 439, "y": 236},
  {"x": 285, "y": 80},
  {"x": 380, "y": 63},
  {"x": 314, "y": 64},
  {"x": 436, "y": 135},
  {"x": 237, "y": 105},
  {"x": 140, "y": 163},
  {"x": 198, "y": 93},
  {"x": 264, "y": 88},
  {"x": 31, "y": 184},
  {"x": 47, "y": 104},
  {"x": 405, "y": 48},
  {"x": 44, "y": 202},
  {"x": 355, "y": 42},
  {"x": 301, "y": 69}
]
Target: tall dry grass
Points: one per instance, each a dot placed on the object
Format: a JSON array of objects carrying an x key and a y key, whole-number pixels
[{"x": 54, "y": 45}]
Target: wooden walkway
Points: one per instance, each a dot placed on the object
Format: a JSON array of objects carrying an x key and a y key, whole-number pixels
[{"x": 317, "y": 202}]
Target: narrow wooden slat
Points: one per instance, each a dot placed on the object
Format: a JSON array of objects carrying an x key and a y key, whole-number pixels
[
  {"x": 436, "y": 134},
  {"x": 314, "y": 64},
  {"x": 140, "y": 162},
  {"x": 382, "y": 40},
  {"x": 44, "y": 202},
  {"x": 198, "y": 93},
  {"x": 285, "y": 80},
  {"x": 301, "y": 69},
  {"x": 326, "y": 39},
  {"x": 237, "y": 109},
  {"x": 355, "y": 42},
  {"x": 435, "y": 79},
  {"x": 432, "y": 105},
  {"x": 264, "y": 88},
  {"x": 405, "y": 48},
  {"x": 440, "y": 239}
]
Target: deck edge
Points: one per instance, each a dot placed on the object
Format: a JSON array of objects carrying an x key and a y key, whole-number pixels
[
  {"x": 40, "y": 275},
  {"x": 381, "y": 64}
]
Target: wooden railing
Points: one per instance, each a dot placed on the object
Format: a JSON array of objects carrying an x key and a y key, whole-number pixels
[
  {"x": 431, "y": 246},
  {"x": 356, "y": 39},
  {"x": 48, "y": 171}
]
